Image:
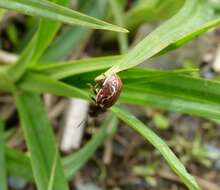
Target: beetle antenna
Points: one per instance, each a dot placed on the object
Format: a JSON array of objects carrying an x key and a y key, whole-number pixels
[{"x": 81, "y": 123}]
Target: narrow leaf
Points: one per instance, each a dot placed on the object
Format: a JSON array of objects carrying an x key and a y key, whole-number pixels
[
  {"x": 40, "y": 141},
  {"x": 160, "y": 89},
  {"x": 18, "y": 164},
  {"x": 65, "y": 69},
  {"x": 72, "y": 38},
  {"x": 5, "y": 82},
  {"x": 159, "y": 144},
  {"x": 194, "y": 18},
  {"x": 41, "y": 84},
  {"x": 45, "y": 34},
  {"x": 46, "y": 9},
  {"x": 170, "y": 103},
  {"x": 183, "y": 94},
  {"x": 40, "y": 41},
  {"x": 53, "y": 172},
  {"x": 3, "y": 178},
  {"x": 117, "y": 11},
  {"x": 154, "y": 10},
  {"x": 187, "y": 87}
]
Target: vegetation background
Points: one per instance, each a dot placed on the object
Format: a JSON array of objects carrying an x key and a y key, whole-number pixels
[{"x": 51, "y": 50}]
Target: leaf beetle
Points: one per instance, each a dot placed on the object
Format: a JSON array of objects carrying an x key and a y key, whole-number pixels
[{"x": 107, "y": 92}]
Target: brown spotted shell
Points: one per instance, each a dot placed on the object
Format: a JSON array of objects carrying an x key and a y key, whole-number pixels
[{"x": 109, "y": 91}]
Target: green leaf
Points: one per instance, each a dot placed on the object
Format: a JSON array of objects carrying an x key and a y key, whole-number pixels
[
  {"x": 12, "y": 34},
  {"x": 5, "y": 82},
  {"x": 65, "y": 69},
  {"x": 53, "y": 172},
  {"x": 72, "y": 39},
  {"x": 9, "y": 133},
  {"x": 40, "y": 41},
  {"x": 18, "y": 69},
  {"x": 75, "y": 161},
  {"x": 18, "y": 164},
  {"x": 71, "y": 36},
  {"x": 40, "y": 141},
  {"x": 45, "y": 34},
  {"x": 187, "y": 87},
  {"x": 194, "y": 18},
  {"x": 46, "y": 9},
  {"x": 41, "y": 84},
  {"x": 3, "y": 178},
  {"x": 150, "y": 12},
  {"x": 159, "y": 144},
  {"x": 32, "y": 28},
  {"x": 141, "y": 76},
  {"x": 48, "y": 29},
  {"x": 160, "y": 89},
  {"x": 170, "y": 103},
  {"x": 154, "y": 10},
  {"x": 177, "y": 93},
  {"x": 2, "y": 12},
  {"x": 117, "y": 10}
]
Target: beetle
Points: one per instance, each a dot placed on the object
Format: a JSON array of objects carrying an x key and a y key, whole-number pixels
[{"x": 107, "y": 92}]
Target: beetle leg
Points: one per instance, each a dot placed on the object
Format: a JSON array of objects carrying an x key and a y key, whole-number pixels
[
  {"x": 93, "y": 88},
  {"x": 93, "y": 98},
  {"x": 90, "y": 86},
  {"x": 96, "y": 88}
]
